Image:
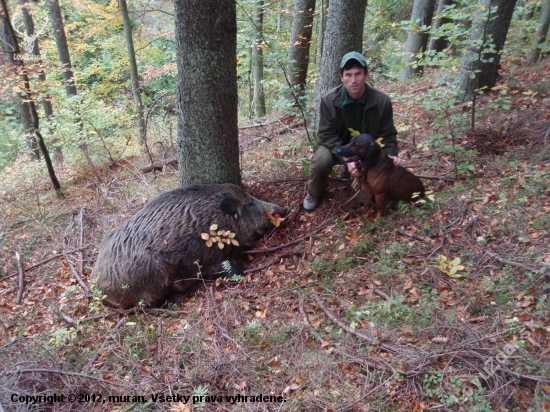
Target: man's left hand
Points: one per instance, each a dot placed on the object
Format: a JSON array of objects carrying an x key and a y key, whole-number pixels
[{"x": 397, "y": 160}]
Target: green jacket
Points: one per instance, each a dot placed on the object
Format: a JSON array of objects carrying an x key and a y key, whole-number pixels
[{"x": 377, "y": 120}]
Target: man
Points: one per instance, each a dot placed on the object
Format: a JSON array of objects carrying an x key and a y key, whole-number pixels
[{"x": 352, "y": 105}]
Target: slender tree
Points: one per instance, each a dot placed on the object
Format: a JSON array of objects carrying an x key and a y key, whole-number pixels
[
  {"x": 439, "y": 43},
  {"x": 300, "y": 41},
  {"x": 480, "y": 63},
  {"x": 540, "y": 35},
  {"x": 206, "y": 50},
  {"x": 417, "y": 39},
  {"x": 27, "y": 94},
  {"x": 134, "y": 77},
  {"x": 21, "y": 102},
  {"x": 258, "y": 59},
  {"x": 62, "y": 47},
  {"x": 344, "y": 34},
  {"x": 46, "y": 100}
]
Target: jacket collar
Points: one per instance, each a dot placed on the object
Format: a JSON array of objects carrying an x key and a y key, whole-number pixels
[{"x": 340, "y": 96}]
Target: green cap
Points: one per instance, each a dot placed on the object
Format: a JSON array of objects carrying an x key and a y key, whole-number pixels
[{"x": 353, "y": 56}]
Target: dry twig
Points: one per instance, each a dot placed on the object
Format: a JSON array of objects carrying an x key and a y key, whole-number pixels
[{"x": 21, "y": 278}]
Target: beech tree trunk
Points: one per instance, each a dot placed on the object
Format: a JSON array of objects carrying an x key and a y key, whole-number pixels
[
  {"x": 62, "y": 47},
  {"x": 300, "y": 41},
  {"x": 344, "y": 34},
  {"x": 540, "y": 35},
  {"x": 479, "y": 69},
  {"x": 417, "y": 39},
  {"x": 134, "y": 77},
  {"x": 258, "y": 59},
  {"x": 323, "y": 14},
  {"x": 206, "y": 50}
]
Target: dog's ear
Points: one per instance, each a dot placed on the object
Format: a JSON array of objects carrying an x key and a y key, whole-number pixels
[{"x": 373, "y": 154}]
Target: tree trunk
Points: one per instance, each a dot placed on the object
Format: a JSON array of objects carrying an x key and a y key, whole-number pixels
[
  {"x": 62, "y": 47},
  {"x": 28, "y": 130},
  {"x": 323, "y": 13},
  {"x": 258, "y": 59},
  {"x": 440, "y": 43},
  {"x": 21, "y": 103},
  {"x": 134, "y": 77},
  {"x": 300, "y": 41},
  {"x": 540, "y": 35},
  {"x": 46, "y": 100},
  {"x": 208, "y": 135},
  {"x": 417, "y": 39},
  {"x": 28, "y": 96},
  {"x": 479, "y": 67},
  {"x": 344, "y": 34}
]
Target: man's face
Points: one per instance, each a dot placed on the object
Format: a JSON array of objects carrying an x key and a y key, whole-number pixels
[{"x": 354, "y": 81}]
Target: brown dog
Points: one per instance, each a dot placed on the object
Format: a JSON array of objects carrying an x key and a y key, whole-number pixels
[{"x": 381, "y": 177}]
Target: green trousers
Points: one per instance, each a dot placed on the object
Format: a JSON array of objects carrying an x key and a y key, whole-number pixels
[{"x": 320, "y": 167}]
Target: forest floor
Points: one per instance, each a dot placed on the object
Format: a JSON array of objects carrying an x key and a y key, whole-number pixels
[{"x": 444, "y": 305}]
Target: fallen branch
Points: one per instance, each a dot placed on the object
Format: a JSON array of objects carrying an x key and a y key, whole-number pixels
[
  {"x": 293, "y": 242},
  {"x": 80, "y": 242},
  {"x": 381, "y": 294},
  {"x": 345, "y": 355},
  {"x": 265, "y": 124},
  {"x": 76, "y": 275},
  {"x": 21, "y": 282},
  {"x": 91, "y": 362},
  {"x": 27, "y": 270},
  {"x": 412, "y": 235},
  {"x": 445, "y": 179},
  {"x": 271, "y": 262},
  {"x": 159, "y": 167},
  {"x": 511, "y": 262},
  {"x": 369, "y": 339}
]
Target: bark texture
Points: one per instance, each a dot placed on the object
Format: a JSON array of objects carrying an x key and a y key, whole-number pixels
[
  {"x": 300, "y": 41},
  {"x": 258, "y": 59},
  {"x": 206, "y": 47},
  {"x": 417, "y": 39},
  {"x": 479, "y": 69},
  {"x": 62, "y": 47}
]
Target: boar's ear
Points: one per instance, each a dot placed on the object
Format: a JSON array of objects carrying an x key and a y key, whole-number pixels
[{"x": 232, "y": 206}]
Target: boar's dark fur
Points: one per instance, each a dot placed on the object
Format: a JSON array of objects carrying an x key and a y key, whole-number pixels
[{"x": 160, "y": 250}]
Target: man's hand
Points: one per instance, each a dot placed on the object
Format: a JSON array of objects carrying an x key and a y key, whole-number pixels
[
  {"x": 397, "y": 160},
  {"x": 356, "y": 172}
]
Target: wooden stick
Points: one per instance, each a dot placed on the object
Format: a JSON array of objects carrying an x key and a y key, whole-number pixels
[
  {"x": 403, "y": 233},
  {"x": 21, "y": 282},
  {"x": 80, "y": 255},
  {"x": 271, "y": 262},
  {"x": 511, "y": 262},
  {"x": 451, "y": 179},
  {"x": 369, "y": 339},
  {"x": 77, "y": 276},
  {"x": 52, "y": 258},
  {"x": 273, "y": 249}
]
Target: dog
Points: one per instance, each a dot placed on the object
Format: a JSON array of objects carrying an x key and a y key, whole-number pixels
[{"x": 380, "y": 176}]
